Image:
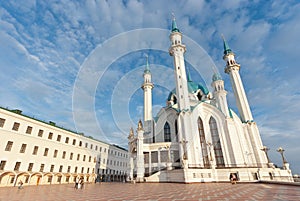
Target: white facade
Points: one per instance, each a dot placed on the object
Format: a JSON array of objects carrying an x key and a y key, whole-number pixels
[
  {"x": 42, "y": 153},
  {"x": 196, "y": 137}
]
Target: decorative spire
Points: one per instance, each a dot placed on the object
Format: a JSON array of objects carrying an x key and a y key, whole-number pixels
[
  {"x": 189, "y": 78},
  {"x": 174, "y": 25},
  {"x": 147, "y": 69},
  {"x": 131, "y": 133},
  {"x": 226, "y": 46}
]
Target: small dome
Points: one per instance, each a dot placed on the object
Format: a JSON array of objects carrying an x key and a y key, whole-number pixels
[
  {"x": 192, "y": 87},
  {"x": 216, "y": 77}
]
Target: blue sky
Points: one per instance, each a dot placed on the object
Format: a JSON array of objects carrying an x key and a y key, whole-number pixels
[{"x": 80, "y": 63}]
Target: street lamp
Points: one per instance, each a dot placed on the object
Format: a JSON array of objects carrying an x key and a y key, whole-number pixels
[
  {"x": 281, "y": 150},
  {"x": 266, "y": 149}
]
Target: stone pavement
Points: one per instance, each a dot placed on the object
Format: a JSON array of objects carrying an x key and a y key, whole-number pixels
[{"x": 152, "y": 191}]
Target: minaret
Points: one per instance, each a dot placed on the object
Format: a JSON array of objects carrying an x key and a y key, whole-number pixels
[
  {"x": 185, "y": 134},
  {"x": 177, "y": 50},
  {"x": 147, "y": 87},
  {"x": 220, "y": 93},
  {"x": 232, "y": 68}
]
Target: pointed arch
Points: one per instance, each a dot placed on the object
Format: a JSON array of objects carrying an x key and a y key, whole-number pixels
[
  {"x": 167, "y": 132},
  {"x": 203, "y": 143},
  {"x": 216, "y": 142}
]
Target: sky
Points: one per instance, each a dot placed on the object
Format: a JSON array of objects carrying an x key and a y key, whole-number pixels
[{"x": 80, "y": 63}]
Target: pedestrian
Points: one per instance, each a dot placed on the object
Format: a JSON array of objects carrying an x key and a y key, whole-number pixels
[
  {"x": 76, "y": 183},
  {"x": 20, "y": 184},
  {"x": 232, "y": 178},
  {"x": 81, "y": 183}
]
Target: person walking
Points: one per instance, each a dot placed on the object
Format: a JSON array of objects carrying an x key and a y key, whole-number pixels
[
  {"x": 20, "y": 184},
  {"x": 232, "y": 178}
]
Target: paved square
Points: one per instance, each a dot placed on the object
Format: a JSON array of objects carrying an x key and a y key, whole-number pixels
[{"x": 152, "y": 191}]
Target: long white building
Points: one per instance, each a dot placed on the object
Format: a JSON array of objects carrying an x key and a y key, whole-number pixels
[
  {"x": 37, "y": 153},
  {"x": 196, "y": 137}
]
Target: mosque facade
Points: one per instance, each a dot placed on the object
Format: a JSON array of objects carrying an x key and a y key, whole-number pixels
[{"x": 196, "y": 137}]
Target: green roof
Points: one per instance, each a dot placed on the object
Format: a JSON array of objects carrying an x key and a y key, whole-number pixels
[
  {"x": 216, "y": 76},
  {"x": 174, "y": 26},
  {"x": 227, "y": 49}
]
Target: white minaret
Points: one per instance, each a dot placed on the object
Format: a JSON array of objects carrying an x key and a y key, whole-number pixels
[
  {"x": 185, "y": 134},
  {"x": 177, "y": 50},
  {"x": 220, "y": 93},
  {"x": 232, "y": 68},
  {"x": 147, "y": 87}
]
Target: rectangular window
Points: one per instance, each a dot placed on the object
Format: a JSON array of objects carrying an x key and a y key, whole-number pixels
[
  {"x": 91, "y": 146},
  {"x": 84, "y": 157},
  {"x": 88, "y": 170},
  {"x": 40, "y": 133},
  {"x": 100, "y": 149},
  {"x": 9, "y": 146},
  {"x": 29, "y": 130},
  {"x": 30, "y": 166},
  {"x": 90, "y": 158},
  {"x": 58, "y": 138},
  {"x": 78, "y": 157},
  {"x": 75, "y": 169},
  {"x": 67, "y": 140},
  {"x": 82, "y": 170},
  {"x": 86, "y": 145},
  {"x": 50, "y": 136},
  {"x": 16, "y": 126},
  {"x": 51, "y": 168},
  {"x": 55, "y": 153},
  {"x": 2, "y": 165},
  {"x": 23, "y": 148},
  {"x": 46, "y": 151},
  {"x": 74, "y": 142},
  {"x": 17, "y": 166},
  {"x": 96, "y": 147},
  {"x": 80, "y": 143},
  {"x": 42, "y": 167},
  {"x": 2, "y": 121},
  {"x": 69, "y": 169},
  {"x": 64, "y": 155},
  {"x": 60, "y": 168},
  {"x": 71, "y": 156},
  {"x": 35, "y": 150}
]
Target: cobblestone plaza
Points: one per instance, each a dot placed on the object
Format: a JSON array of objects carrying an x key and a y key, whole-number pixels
[{"x": 152, "y": 191}]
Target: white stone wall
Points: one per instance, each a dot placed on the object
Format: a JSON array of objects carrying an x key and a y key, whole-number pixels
[{"x": 89, "y": 154}]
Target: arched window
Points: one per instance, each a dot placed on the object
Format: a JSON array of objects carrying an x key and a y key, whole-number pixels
[
  {"x": 203, "y": 143},
  {"x": 216, "y": 142},
  {"x": 167, "y": 132}
]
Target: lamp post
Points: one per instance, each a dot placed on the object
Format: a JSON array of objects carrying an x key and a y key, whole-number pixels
[
  {"x": 266, "y": 149},
  {"x": 281, "y": 150}
]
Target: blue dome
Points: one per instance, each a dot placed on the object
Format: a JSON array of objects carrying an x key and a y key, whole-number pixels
[
  {"x": 192, "y": 88},
  {"x": 216, "y": 77}
]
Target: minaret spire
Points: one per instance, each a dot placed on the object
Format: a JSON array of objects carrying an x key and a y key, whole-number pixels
[
  {"x": 232, "y": 68},
  {"x": 226, "y": 46},
  {"x": 147, "y": 87},
  {"x": 174, "y": 25}
]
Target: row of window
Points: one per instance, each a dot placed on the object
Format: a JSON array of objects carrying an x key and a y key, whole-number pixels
[
  {"x": 42, "y": 167},
  {"x": 23, "y": 147},
  {"x": 9, "y": 146},
  {"x": 67, "y": 140}
]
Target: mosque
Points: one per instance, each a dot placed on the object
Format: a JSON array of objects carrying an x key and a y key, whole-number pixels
[{"x": 196, "y": 137}]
